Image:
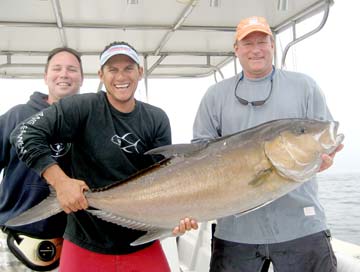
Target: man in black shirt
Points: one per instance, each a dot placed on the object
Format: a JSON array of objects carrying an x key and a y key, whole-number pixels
[{"x": 109, "y": 132}]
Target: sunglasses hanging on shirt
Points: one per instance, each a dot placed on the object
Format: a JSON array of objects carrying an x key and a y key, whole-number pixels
[{"x": 257, "y": 102}]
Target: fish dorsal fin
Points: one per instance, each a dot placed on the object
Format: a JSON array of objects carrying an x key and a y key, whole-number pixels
[
  {"x": 178, "y": 150},
  {"x": 138, "y": 173},
  {"x": 171, "y": 154}
]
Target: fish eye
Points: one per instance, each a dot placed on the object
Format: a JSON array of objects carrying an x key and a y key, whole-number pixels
[{"x": 302, "y": 130}]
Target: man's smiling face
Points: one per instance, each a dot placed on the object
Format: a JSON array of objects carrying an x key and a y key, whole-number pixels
[
  {"x": 63, "y": 76},
  {"x": 120, "y": 75}
]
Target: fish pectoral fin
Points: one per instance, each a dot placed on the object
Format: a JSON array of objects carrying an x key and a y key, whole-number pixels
[
  {"x": 177, "y": 150},
  {"x": 152, "y": 235},
  {"x": 261, "y": 177}
]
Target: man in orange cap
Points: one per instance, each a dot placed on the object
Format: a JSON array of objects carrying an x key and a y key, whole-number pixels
[{"x": 290, "y": 232}]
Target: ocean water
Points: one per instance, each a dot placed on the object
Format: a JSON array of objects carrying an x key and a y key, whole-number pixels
[{"x": 340, "y": 196}]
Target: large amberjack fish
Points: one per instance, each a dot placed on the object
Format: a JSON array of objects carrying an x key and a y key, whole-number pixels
[{"x": 205, "y": 181}]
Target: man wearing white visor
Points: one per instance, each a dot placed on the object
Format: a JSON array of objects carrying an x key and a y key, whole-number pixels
[{"x": 110, "y": 131}]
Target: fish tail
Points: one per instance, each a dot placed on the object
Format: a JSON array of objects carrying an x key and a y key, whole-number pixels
[{"x": 48, "y": 207}]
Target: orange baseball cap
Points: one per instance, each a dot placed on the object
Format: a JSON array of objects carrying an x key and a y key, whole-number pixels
[{"x": 252, "y": 24}]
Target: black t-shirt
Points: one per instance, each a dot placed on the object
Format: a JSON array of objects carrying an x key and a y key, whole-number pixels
[{"x": 107, "y": 146}]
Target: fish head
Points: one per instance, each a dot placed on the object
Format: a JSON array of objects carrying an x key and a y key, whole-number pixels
[{"x": 295, "y": 151}]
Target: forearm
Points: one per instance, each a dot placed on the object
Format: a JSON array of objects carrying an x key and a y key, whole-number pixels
[
  {"x": 54, "y": 175},
  {"x": 29, "y": 138}
]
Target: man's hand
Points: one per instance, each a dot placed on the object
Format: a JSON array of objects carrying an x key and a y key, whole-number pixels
[
  {"x": 185, "y": 225},
  {"x": 329, "y": 159},
  {"x": 69, "y": 192}
]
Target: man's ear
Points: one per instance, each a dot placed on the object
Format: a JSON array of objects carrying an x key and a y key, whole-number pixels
[
  {"x": 272, "y": 42},
  {"x": 235, "y": 48},
  {"x": 45, "y": 78},
  {"x": 101, "y": 74},
  {"x": 141, "y": 72}
]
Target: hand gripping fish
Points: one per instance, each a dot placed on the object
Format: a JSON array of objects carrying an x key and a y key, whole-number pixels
[{"x": 231, "y": 175}]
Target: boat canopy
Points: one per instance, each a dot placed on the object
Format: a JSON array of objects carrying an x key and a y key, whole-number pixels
[{"x": 175, "y": 38}]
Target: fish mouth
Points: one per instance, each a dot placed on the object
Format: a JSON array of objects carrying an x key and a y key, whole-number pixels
[
  {"x": 335, "y": 127},
  {"x": 303, "y": 168},
  {"x": 336, "y": 139},
  {"x": 339, "y": 139}
]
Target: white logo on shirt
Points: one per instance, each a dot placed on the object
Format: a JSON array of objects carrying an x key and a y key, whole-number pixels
[
  {"x": 128, "y": 142},
  {"x": 59, "y": 149}
]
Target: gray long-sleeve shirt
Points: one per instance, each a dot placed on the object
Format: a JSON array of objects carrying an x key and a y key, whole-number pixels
[{"x": 294, "y": 95}]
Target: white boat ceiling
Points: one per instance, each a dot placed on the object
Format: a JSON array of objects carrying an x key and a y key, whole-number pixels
[{"x": 176, "y": 38}]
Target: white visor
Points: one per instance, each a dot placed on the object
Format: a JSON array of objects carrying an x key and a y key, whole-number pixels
[{"x": 120, "y": 49}]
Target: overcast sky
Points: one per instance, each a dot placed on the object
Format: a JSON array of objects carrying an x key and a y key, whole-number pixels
[{"x": 331, "y": 57}]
